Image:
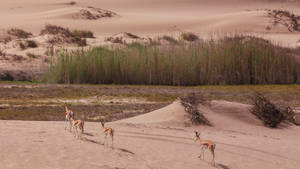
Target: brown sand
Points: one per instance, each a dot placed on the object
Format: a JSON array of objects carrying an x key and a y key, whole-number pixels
[{"x": 153, "y": 140}]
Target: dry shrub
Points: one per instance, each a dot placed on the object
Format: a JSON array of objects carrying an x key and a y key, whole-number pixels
[
  {"x": 190, "y": 102},
  {"x": 28, "y": 44},
  {"x": 169, "y": 39},
  {"x": 188, "y": 36},
  {"x": 271, "y": 115},
  {"x": 19, "y": 33}
]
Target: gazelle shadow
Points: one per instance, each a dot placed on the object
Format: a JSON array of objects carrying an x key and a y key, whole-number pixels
[
  {"x": 88, "y": 134},
  {"x": 222, "y": 166},
  {"x": 92, "y": 141}
]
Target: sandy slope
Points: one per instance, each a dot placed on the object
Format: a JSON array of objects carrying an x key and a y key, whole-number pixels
[{"x": 152, "y": 141}]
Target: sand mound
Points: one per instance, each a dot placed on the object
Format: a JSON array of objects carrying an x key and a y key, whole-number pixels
[
  {"x": 125, "y": 37},
  {"x": 230, "y": 115},
  {"x": 92, "y": 13},
  {"x": 171, "y": 115}
]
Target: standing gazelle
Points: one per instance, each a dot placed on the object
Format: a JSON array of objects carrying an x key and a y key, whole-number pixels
[
  {"x": 206, "y": 144},
  {"x": 69, "y": 116},
  {"x": 78, "y": 124},
  {"x": 106, "y": 131}
]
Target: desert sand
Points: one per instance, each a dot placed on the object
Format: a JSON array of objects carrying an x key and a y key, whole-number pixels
[
  {"x": 154, "y": 140},
  {"x": 162, "y": 139}
]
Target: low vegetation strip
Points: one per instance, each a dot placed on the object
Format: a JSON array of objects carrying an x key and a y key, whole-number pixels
[{"x": 231, "y": 60}]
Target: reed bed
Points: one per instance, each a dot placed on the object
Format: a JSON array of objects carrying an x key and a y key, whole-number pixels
[{"x": 230, "y": 60}]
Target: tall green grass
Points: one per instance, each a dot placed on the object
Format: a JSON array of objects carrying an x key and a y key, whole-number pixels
[{"x": 230, "y": 60}]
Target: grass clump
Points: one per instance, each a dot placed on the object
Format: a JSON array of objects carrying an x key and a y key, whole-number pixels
[
  {"x": 188, "y": 36},
  {"x": 19, "y": 33},
  {"x": 227, "y": 61}
]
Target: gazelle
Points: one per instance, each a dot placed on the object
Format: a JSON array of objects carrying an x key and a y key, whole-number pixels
[
  {"x": 78, "y": 124},
  {"x": 206, "y": 144},
  {"x": 69, "y": 115},
  {"x": 106, "y": 131}
]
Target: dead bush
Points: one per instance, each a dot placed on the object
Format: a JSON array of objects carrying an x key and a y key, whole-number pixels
[
  {"x": 190, "y": 102},
  {"x": 269, "y": 113}
]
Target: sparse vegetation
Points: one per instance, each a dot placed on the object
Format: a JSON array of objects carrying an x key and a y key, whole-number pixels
[
  {"x": 188, "y": 36},
  {"x": 64, "y": 35},
  {"x": 19, "y": 33},
  {"x": 231, "y": 60}
]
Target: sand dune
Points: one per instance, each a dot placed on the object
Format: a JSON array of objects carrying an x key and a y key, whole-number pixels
[
  {"x": 152, "y": 18},
  {"x": 153, "y": 140}
]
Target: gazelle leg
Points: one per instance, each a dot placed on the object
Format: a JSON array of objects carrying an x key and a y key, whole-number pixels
[
  {"x": 76, "y": 132},
  {"x": 112, "y": 141},
  {"x": 66, "y": 124},
  {"x": 213, "y": 154},
  {"x": 105, "y": 139},
  {"x": 71, "y": 126}
]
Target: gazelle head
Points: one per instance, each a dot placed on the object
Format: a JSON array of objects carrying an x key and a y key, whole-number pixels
[
  {"x": 197, "y": 135},
  {"x": 102, "y": 123}
]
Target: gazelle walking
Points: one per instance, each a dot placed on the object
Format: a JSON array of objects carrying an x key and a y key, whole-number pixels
[
  {"x": 206, "y": 144},
  {"x": 78, "y": 124},
  {"x": 108, "y": 131},
  {"x": 69, "y": 116}
]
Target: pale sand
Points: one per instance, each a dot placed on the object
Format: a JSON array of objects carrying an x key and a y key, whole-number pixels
[{"x": 153, "y": 140}]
